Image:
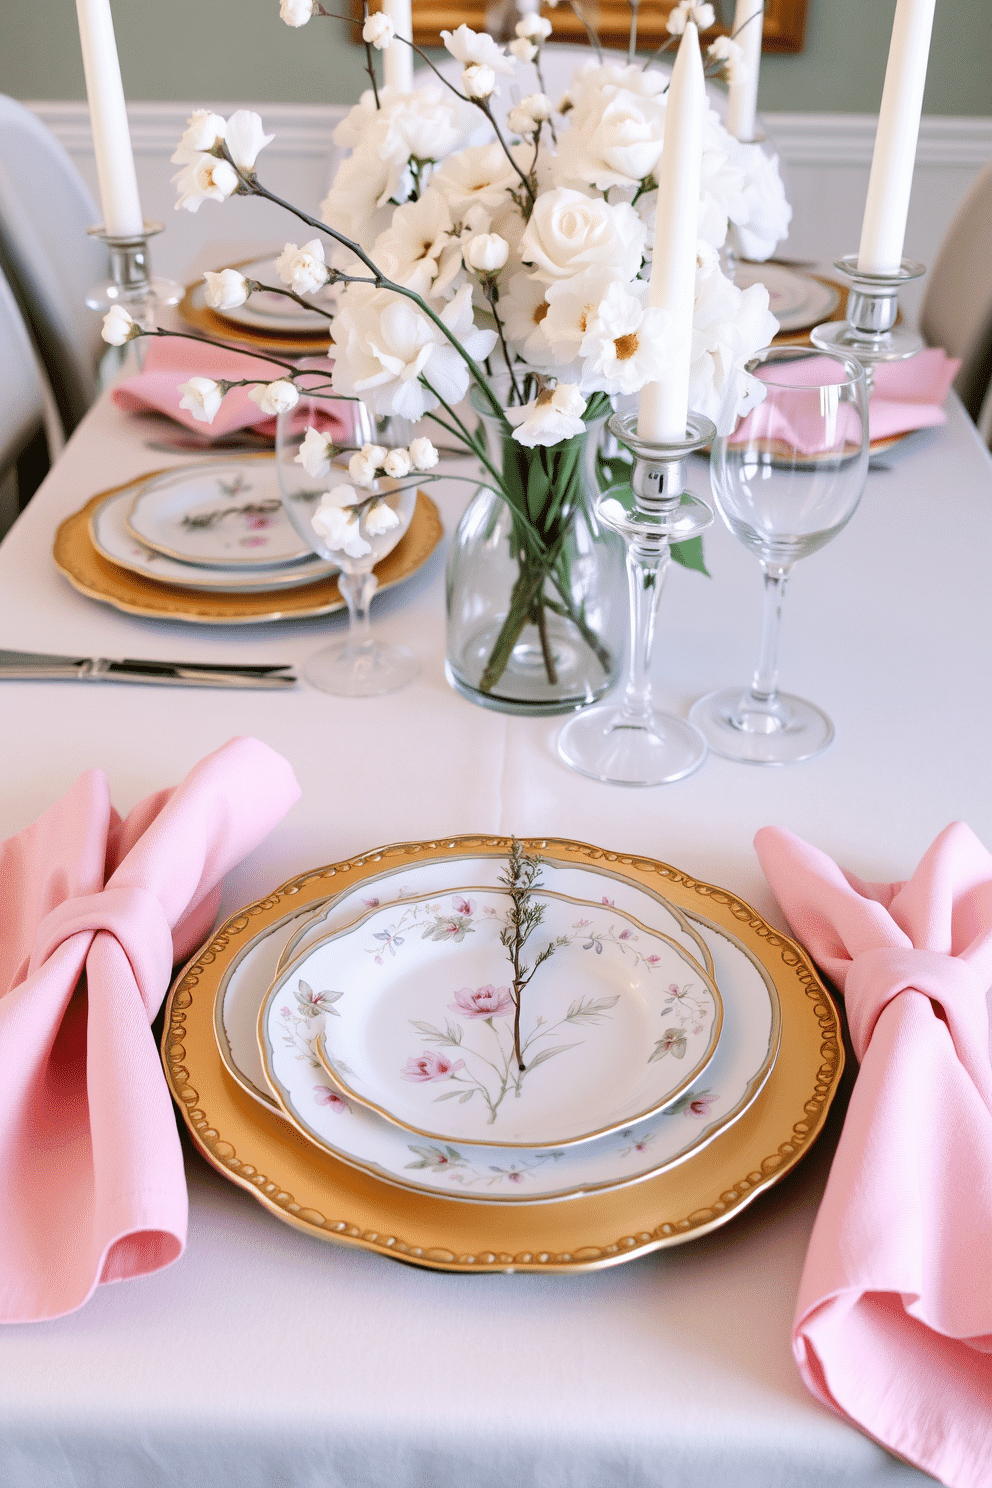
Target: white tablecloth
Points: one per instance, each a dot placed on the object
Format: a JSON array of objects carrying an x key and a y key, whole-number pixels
[{"x": 267, "y": 1357}]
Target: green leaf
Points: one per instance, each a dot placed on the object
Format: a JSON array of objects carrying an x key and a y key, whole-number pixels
[{"x": 690, "y": 555}]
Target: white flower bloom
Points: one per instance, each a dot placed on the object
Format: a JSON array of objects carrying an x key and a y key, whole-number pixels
[
  {"x": 524, "y": 309},
  {"x": 202, "y": 397},
  {"x": 627, "y": 343},
  {"x": 690, "y": 10},
  {"x": 303, "y": 270},
  {"x": 487, "y": 253},
  {"x": 573, "y": 305},
  {"x": 362, "y": 470},
  {"x": 729, "y": 325},
  {"x": 315, "y": 454},
  {"x": 468, "y": 46},
  {"x": 336, "y": 523},
  {"x": 479, "y": 176},
  {"x": 376, "y": 453},
  {"x": 534, "y": 26},
  {"x": 763, "y": 216},
  {"x": 724, "y": 49},
  {"x": 552, "y": 416},
  {"x": 525, "y": 117},
  {"x": 379, "y": 30},
  {"x": 380, "y": 518},
  {"x": 203, "y": 130},
  {"x": 245, "y": 137},
  {"x": 295, "y": 12},
  {"x": 118, "y": 326},
  {"x": 423, "y": 454},
  {"x": 410, "y": 250},
  {"x": 478, "y": 80},
  {"x": 522, "y": 49},
  {"x": 569, "y": 232},
  {"x": 226, "y": 290},
  {"x": 398, "y": 463},
  {"x": 616, "y": 129},
  {"x": 204, "y": 179},
  {"x": 384, "y": 345},
  {"x": 275, "y": 397}
]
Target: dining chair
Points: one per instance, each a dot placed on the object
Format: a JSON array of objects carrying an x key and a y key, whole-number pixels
[
  {"x": 50, "y": 263},
  {"x": 956, "y": 312},
  {"x": 22, "y": 426}
]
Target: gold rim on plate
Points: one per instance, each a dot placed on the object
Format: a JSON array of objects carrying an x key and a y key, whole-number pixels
[
  {"x": 309, "y": 1190},
  {"x": 95, "y": 576}
]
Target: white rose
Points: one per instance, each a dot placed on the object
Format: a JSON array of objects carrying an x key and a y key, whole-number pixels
[
  {"x": 478, "y": 80},
  {"x": 205, "y": 179},
  {"x": 378, "y": 30},
  {"x": 225, "y": 290},
  {"x": 569, "y": 232},
  {"x": 469, "y": 46},
  {"x": 118, "y": 326},
  {"x": 380, "y": 518},
  {"x": 202, "y": 397},
  {"x": 423, "y": 454},
  {"x": 275, "y": 397},
  {"x": 203, "y": 130},
  {"x": 362, "y": 470},
  {"x": 398, "y": 463},
  {"x": 522, "y": 49},
  {"x": 487, "y": 253},
  {"x": 295, "y": 12},
  {"x": 535, "y": 27},
  {"x": 303, "y": 270},
  {"x": 554, "y": 415},
  {"x": 763, "y": 216},
  {"x": 315, "y": 454},
  {"x": 245, "y": 137}
]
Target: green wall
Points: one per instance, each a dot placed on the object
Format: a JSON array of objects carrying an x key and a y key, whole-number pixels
[{"x": 205, "y": 50}]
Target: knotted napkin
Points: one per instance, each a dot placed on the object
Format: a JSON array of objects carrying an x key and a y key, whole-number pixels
[
  {"x": 894, "y": 1322},
  {"x": 94, "y": 911}
]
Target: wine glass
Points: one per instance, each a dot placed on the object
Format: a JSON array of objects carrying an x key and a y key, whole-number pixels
[
  {"x": 786, "y": 479},
  {"x": 359, "y": 665}
]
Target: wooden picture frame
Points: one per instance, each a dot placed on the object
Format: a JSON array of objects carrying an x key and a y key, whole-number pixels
[{"x": 784, "y": 30}]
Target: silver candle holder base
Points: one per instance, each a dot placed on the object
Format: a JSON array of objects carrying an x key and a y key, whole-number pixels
[
  {"x": 630, "y": 742},
  {"x": 130, "y": 284},
  {"x": 869, "y": 331}
]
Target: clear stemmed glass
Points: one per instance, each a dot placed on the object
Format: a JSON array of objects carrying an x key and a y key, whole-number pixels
[
  {"x": 786, "y": 479},
  {"x": 359, "y": 665}
]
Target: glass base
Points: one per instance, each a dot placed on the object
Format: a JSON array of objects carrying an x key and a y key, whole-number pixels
[
  {"x": 798, "y": 731},
  {"x": 523, "y": 686},
  {"x": 361, "y": 671},
  {"x": 608, "y": 744}
]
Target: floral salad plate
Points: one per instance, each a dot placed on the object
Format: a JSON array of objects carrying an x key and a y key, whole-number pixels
[
  {"x": 364, "y": 1141},
  {"x": 417, "y": 1019},
  {"x": 218, "y": 515}
]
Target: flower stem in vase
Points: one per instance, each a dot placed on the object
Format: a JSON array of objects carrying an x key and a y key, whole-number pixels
[{"x": 522, "y": 877}]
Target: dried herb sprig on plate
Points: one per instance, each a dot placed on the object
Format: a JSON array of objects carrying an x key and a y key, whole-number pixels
[{"x": 521, "y": 877}]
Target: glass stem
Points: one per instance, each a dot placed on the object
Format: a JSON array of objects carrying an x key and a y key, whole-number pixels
[
  {"x": 358, "y": 589},
  {"x": 647, "y": 565},
  {"x": 763, "y": 696}
]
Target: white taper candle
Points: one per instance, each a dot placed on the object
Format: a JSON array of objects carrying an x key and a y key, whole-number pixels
[
  {"x": 398, "y": 63},
  {"x": 883, "y": 230},
  {"x": 742, "y": 91},
  {"x": 663, "y": 405},
  {"x": 108, "y": 114}
]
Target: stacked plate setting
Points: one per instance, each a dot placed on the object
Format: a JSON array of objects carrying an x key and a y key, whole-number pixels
[
  {"x": 380, "y": 1024},
  {"x": 266, "y": 320}
]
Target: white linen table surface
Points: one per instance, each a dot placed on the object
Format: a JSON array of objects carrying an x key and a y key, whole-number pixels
[{"x": 267, "y": 1357}]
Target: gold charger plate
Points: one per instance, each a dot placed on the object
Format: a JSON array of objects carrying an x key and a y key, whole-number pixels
[
  {"x": 308, "y": 1189},
  {"x": 95, "y": 576},
  {"x": 195, "y": 313}
]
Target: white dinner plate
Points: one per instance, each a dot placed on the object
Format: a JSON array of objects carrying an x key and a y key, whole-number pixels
[
  {"x": 275, "y": 312},
  {"x": 416, "y": 1003},
  {"x": 796, "y": 300},
  {"x": 218, "y": 514},
  {"x": 741, "y": 1065},
  {"x": 111, "y": 538}
]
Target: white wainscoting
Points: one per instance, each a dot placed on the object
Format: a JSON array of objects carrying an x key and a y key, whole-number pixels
[{"x": 825, "y": 160}]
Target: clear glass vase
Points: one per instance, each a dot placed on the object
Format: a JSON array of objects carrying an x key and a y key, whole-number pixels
[{"x": 536, "y": 604}]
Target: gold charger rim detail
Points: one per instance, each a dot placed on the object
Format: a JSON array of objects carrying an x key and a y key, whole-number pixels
[
  {"x": 95, "y": 576},
  {"x": 312, "y": 1192}
]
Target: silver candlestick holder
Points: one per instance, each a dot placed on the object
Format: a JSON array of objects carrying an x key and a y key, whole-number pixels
[
  {"x": 130, "y": 284},
  {"x": 629, "y": 742},
  {"x": 869, "y": 331}
]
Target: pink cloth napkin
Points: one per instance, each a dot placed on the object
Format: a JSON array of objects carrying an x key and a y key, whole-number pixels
[
  {"x": 908, "y": 395},
  {"x": 94, "y": 911},
  {"x": 893, "y": 1327},
  {"x": 170, "y": 362}
]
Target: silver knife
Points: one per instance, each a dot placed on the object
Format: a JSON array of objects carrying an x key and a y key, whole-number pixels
[{"x": 39, "y": 666}]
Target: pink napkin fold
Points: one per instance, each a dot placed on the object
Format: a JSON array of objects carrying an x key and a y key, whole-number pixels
[
  {"x": 94, "y": 911},
  {"x": 893, "y": 1327},
  {"x": 169, "y": 362},
  {"x": 908, "y": 395}
]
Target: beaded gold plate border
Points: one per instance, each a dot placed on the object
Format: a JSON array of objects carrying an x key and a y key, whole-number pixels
[
  {"x": 95, "y": 576},
  {"x": 308, "y": 1189}
]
